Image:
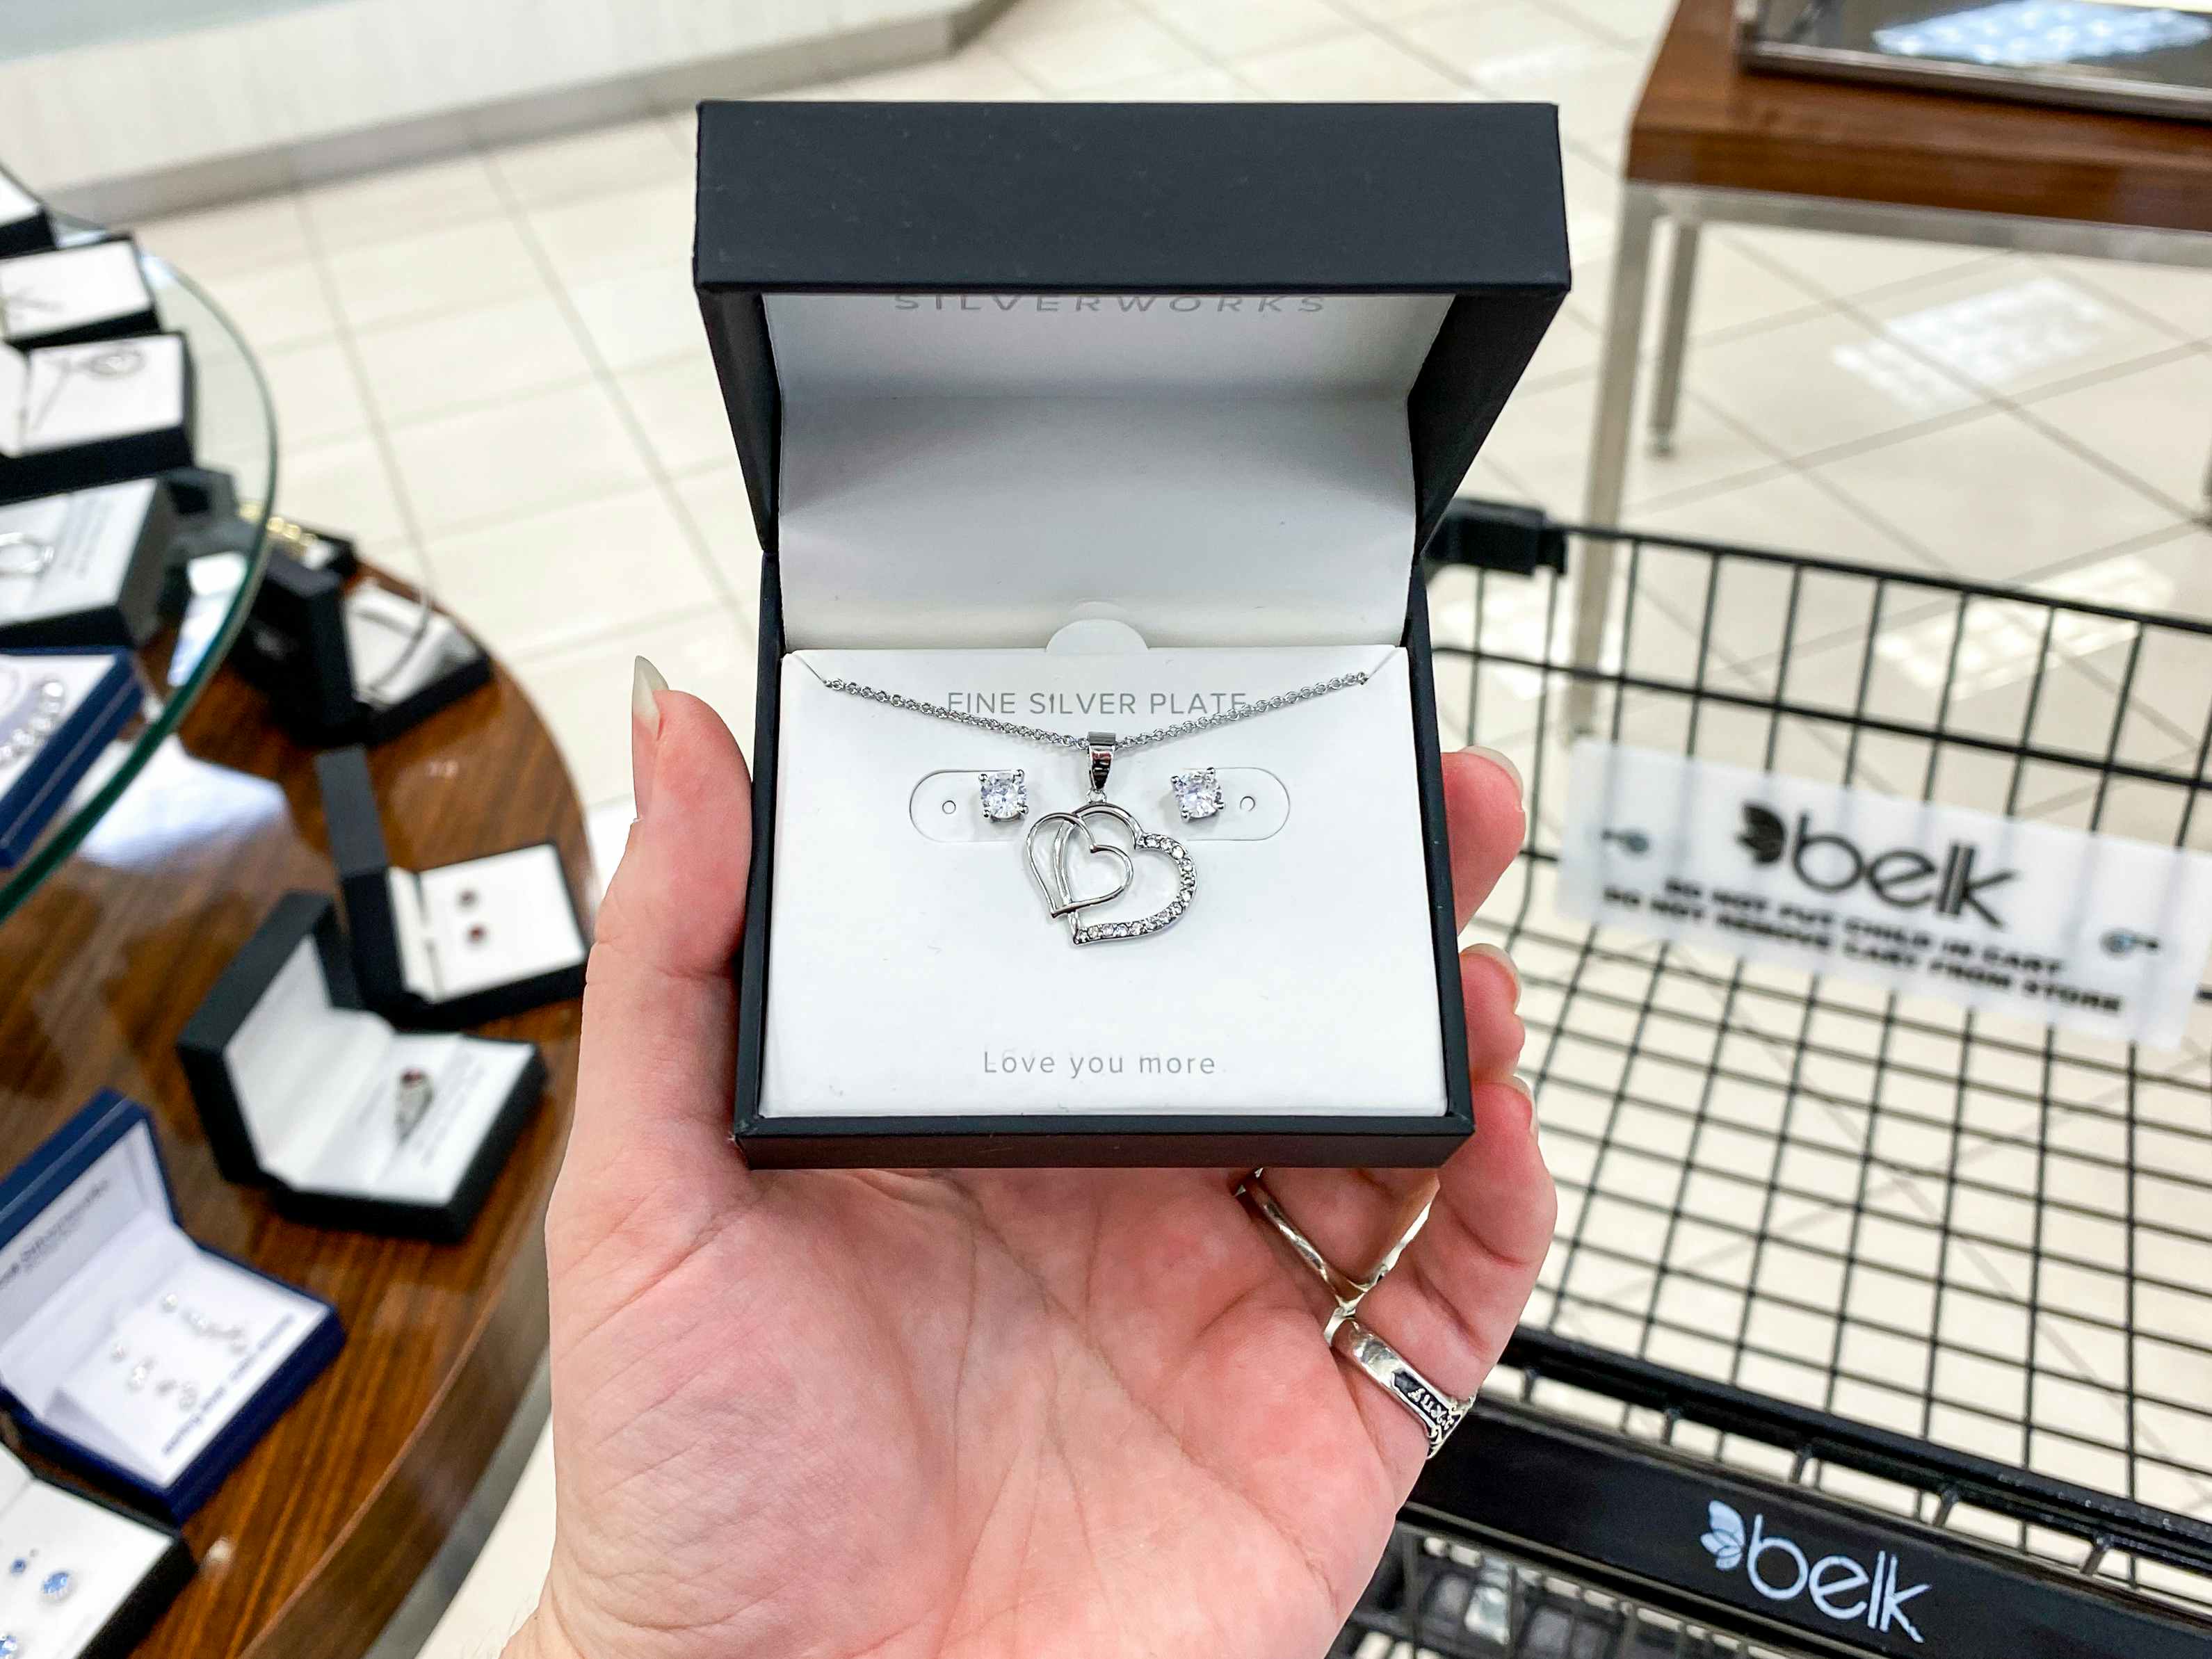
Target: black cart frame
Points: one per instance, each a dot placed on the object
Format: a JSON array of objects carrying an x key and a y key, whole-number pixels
[{"x": 1872, "y": 1326}]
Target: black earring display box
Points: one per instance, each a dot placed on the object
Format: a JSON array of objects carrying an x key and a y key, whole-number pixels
[
  {"x": 101, "y": 561},
  {"x": 25, "y": 225},
  {"x": 457, "y": 945},
  {"x": 76, "y": 416},
  {"x": 68, "y": 295},
  {"x": 306, "y": 1094},
  {"x": 124, "y": 1570},
  {"x": 1005, "y": 381},
  {"x": 353, "y": 663}
]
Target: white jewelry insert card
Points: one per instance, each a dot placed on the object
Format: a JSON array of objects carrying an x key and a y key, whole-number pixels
[
  {"x": 69, "y": 289},
  {"x": 484, "y": 922},
  {"x": 63, "y": 555},
  {"x": 102, "y": 1269},
  {"x": 59, "y": 397},
  {"x": 974, "y": 1001},
  {"x": 69, "y": 1565},
  {"x": 319, "y": 1088}
]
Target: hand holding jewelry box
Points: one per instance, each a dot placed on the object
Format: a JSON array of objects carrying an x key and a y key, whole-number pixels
[{"x": 1140, "y": 1364}]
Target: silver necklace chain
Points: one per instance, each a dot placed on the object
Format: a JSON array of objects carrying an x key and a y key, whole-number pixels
[
  {"x": 1051, "y": 740},
  {"x": 1056, "y": 844}
]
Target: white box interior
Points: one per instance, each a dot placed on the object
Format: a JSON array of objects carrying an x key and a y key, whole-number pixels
[
  {"x": 19, "y": 676},
  {"x": 49, "y": 1529},
  {"x": 519, "y": 899},
  {"x": 1084, "y": 513},
  {"x": 980, "y": 473},
  {"x": 395, "y": 649},
  {"x": 91, "y": 1275},
  {"x": 93, "y": 534},
  {"x": 318, "y": 1087},
  {"x": 57, "y": 396},
  {"x": 70, "y": 287}
]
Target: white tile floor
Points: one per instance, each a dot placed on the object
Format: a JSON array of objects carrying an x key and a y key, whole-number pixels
[{"x": 489, "y": 370}]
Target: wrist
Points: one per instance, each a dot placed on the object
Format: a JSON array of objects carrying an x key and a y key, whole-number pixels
[{"x": 540, "y": 1637}]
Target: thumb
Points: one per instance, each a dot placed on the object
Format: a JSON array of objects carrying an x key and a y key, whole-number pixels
[{"x": 658, "y": 1069}]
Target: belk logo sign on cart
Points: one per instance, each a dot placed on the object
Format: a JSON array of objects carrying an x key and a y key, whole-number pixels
[
  {"x": 2062, "y": 926},
  {"x": 1837, "y": 1586}
]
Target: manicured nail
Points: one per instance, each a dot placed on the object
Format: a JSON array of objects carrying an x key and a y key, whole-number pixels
[
  {"x": 1503, "y": 762},
  {"x": 1492, "y": 953},
  {"x": 644, "y": 730}
]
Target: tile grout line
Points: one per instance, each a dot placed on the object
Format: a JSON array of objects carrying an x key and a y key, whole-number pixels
[
  {"x": 694, "y": 536},
  {"x": 342, "y": 334}
]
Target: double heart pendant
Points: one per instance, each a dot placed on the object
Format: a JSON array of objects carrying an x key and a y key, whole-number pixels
[{"x": 1108, "y": 840}]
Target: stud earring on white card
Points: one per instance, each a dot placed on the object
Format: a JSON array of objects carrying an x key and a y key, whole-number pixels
[
  {"x": 1198, "y": 794},
  {"x": 1005, "y": 795}
]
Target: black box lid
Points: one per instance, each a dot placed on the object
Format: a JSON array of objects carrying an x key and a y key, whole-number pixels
[{"x": 1458, "y": 200}]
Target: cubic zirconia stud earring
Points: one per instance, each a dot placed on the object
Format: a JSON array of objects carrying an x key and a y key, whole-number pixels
[
  {"x": 1005, "y": 795},
  {"x": 1198, "y": 794},
  {"x": 9, "y": 1647},
  {"x": 477, "y": 933},
  {"x": 56, "y": 1585}
]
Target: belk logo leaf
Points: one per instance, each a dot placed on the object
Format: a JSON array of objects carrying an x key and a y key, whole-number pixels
[
  {"x": 1724, "y": 1540},
  {"x": 1765, "y": 836}
]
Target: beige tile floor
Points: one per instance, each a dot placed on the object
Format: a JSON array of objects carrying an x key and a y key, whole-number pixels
[{"x": 489, "y": 370}]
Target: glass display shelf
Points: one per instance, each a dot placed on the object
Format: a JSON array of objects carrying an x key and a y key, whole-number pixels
[{"x": 234, "y": 431}]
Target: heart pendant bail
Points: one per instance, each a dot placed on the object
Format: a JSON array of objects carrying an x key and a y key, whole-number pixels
[{"x": 1101, "y": 762}]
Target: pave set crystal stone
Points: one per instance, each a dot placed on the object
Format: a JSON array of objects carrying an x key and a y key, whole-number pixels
[
  {"x": 52, "y": 699},
  {"x": 1006, "y": 795},
  {"x": 1186, "y": 890}
]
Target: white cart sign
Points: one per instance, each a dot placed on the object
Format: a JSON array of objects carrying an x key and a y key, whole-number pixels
[{"x": 2061, "y": 926}]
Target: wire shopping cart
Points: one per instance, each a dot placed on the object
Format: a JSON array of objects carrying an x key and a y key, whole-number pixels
[{"x": 1873, "y": 1325}]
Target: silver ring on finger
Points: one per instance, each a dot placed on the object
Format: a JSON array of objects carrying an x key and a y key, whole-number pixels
[
  {"x": 1346, "y": 1292},
  {"x": 1438, "y": 1412}
]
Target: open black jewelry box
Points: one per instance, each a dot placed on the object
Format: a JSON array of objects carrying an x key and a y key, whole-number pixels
[
  {"x": 346, "y": 660},
  {"x": 25, "y": 225},
  {"x": 1052, "y": 408},
  {"x": 98, "y": 563},
  {"x": 92, "y": 290},
  {"x": 456, "y": 945},
  {"x": 75, "y": 417},
  {"x": 343, "y": 1121}
]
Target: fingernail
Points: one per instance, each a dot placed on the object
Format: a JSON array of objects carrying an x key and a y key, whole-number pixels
[
  {"x": 644, "y": 729},
  {"x": 1503, "y": 763},
  {"x": 1492, "y": 953}
]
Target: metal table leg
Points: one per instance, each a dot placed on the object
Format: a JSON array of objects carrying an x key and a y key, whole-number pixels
[
  {"x": 1673, "y": 335},
  {"x": 1608, "y": 463}
]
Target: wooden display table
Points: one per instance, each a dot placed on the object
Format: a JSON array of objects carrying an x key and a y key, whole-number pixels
[{"x": 311, "y": 1544}]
